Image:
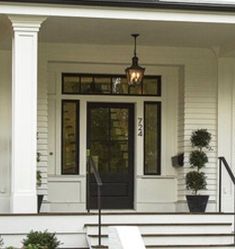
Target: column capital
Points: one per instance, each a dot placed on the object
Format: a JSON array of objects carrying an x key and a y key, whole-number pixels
[{"x": 26, "y": 23}]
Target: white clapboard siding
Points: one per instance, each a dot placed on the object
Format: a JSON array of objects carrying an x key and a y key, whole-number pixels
[
  {"x": 42, "y": 142},
  {"x": 198, "y": 109},
  {"x": 181, "y": 135}
]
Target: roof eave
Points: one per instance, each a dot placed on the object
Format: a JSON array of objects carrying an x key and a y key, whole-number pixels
[{"x": 139, "y": 4}]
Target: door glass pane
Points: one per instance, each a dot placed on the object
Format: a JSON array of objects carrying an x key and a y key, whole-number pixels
[
  {"x": 152, "y": 138},
  {"x": 100, "y": 155},
  {"x": 119, "y": 157},
  {"x": 70, "y": 137},
  {"x": 99, "y": 121},
  {"x": 109, "y": 137},
  {"x": 119, "y": 123}
]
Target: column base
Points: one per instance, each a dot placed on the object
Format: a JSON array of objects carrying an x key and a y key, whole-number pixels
[{"x": 24, "y": 203}]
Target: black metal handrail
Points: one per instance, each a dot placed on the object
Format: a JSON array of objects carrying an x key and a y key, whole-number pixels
[
  {"x": 232, "y": 177},
  {"x": 91, "y": 168}
]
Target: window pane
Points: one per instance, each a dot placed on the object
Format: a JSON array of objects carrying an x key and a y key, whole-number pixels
[
  {"x": 86, "y": 84},
  {"x": 102, "y": 85},
  {"x": 71, "y": 84},
  {"x": 151, "y": 86},
  {"x": 119, "y": 85},
  {"x": 69, "y": 137},
  {"x": 135, "y": 90},
  {"x": 152, "y": 138}
]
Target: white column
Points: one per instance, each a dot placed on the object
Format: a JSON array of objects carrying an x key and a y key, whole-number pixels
[{"x": 24, "y": 113}]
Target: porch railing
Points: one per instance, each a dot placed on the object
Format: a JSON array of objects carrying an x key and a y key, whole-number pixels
[
  {"x": 222, "y": 161},
  {"x": 91, "y": 169}
]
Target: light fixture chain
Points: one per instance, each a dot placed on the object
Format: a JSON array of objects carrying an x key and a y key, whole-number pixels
[{"x": 135, "y": 37}]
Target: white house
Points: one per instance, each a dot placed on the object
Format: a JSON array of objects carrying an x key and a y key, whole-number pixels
[{"x": 63, "y": 91}]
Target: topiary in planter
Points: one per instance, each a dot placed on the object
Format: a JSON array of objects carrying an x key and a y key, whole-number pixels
[{"x": 195, "y": 179}]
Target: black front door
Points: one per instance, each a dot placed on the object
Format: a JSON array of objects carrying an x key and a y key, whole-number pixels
[{"x": 110, "y": 132}]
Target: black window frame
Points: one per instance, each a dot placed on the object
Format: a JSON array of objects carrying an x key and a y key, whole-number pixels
[
  {"x": 157, "y": 77},
  {"x": 159, "y": 116},
  {"x": 77, "y": 102}
]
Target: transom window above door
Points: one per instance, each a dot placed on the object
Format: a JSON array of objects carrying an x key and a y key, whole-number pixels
[{"x": 74, "y": 83}]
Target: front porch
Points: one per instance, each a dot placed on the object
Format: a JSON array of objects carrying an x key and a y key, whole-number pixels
[{"x": 194, "y": 59}]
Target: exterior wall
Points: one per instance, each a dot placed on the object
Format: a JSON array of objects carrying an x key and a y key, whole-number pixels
[
  {"x": 42, "y": 148},
  {"x": 195, "y": 70},
  {"x": 226, "y": 111},
  {"x": 5, "y": 131}
]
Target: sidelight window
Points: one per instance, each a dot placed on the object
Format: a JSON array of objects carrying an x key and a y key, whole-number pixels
[
  {"x": 152, "y": 138},
  {"x": 70, "y": 137}
]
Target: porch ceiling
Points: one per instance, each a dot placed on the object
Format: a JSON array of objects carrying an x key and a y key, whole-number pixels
[{"x": 117, "y": 32}]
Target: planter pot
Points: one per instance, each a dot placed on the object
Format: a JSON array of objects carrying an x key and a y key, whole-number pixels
[
  {"x": 197, "y": 203},
  {"x": 40, "y": 198}
]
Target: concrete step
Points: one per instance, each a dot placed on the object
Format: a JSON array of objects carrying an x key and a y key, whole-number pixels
[
  {"x": 171, "y": 231},
  {"x": 166, "y": 218},
  {"x": 175, "y": 239}
]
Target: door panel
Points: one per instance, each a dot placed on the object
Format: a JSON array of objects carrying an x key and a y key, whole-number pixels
[{"x": 110, "y": 132}]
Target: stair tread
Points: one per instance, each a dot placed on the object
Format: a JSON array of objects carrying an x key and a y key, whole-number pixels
[
  {"x": 211, "y": 245},
  {"x": 173, "y": 235},
  {"x": 183, "y": 246},
  {"x": 162, "y": 224},
  {"x": 104, "y": 212}
]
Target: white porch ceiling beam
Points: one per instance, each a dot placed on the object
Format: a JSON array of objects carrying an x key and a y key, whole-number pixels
[
  {"x": 24, "y": 113},
  {"x": 115, "y": 13}
]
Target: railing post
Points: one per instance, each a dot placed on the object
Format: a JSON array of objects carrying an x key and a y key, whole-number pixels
[
  {"x": 234, "y": 215},
  {"x": 220, "y": 184},
  {"x": 99, "y": 215},
  {"x": 99, "y": 183},
  {"x": 232, "y": 177},
  {"x": 88, "y": 183}
]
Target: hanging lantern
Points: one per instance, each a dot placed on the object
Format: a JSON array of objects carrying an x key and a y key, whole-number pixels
[{"x": 135, "y": 73}]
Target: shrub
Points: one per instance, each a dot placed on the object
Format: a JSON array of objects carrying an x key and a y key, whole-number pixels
[
  {"x": 195, "y": 181},
  {"x": 41, "y": 240},
  {"x": 30, "y": 246},
  {"x": 201, "y": 138},
  {"x": 198, "y": 159}
]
